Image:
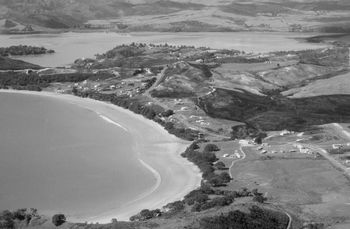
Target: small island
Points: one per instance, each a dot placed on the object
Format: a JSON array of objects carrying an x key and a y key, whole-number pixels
[{"x": 23, "y": 50}]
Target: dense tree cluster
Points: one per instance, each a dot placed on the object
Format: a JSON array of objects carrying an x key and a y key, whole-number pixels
[
  {"x": 146, "y": 214},
  {"x": 58, "y": 219},
  {"x": 258, "y": 218},
  {"x": 8, "y": 219},
  {"x": 20, "y": 50},
  {"x": 276, "y": 112},
  {"x": 205, "y": 161},
  {"x": 211, "y": 148},
  {"x": 33, "y": 81}
]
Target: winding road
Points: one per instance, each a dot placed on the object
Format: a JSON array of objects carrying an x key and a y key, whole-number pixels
[
  {"x": 235, "y": 161},
  {"x": 242, "y": 144}
]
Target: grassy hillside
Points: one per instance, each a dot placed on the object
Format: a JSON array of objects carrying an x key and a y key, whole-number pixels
[
  {"x": 180, "y": 15},
  {"x": 11, "y": 64}
]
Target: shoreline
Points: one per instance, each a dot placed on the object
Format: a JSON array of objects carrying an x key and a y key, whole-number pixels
[{"x": 158, "y": 151}]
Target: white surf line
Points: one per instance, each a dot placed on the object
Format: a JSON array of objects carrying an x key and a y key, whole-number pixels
[
  {"x": 155, "y": 173},
  {"x": 101, "y": 116},
  {"x": 111, "y": 121}
]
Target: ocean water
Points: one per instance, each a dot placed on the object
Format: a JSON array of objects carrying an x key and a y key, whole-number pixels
[
  {"x": 59, "y": 157},
  {"x": 71, "y": 46}
]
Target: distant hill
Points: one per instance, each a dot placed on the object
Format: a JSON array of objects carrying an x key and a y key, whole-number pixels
[{"x": 179, "y": 15}]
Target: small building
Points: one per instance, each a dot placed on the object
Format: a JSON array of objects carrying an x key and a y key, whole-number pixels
[
  {"x": 225, "y": 155},
  {"x": 337, "y": 146},
  {"x": 285, "y": 132}
]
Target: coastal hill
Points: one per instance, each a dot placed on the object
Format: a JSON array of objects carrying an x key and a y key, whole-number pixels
[
  {"x": 174, "y": 16},
  {"x": 11, "y": 64},
  {"x": 284, "y": 104}
]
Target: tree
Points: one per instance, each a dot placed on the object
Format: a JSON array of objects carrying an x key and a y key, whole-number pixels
[
  {"x": 9, "y": 24},
  {"x": 146, "y": 214},
  {"x": 220, "y": 165},
  {"x": 211, "y": 148},
  {"x": 216, "y": 181},
  {"x": 58, "y": 219},
  {"x": 74, "y": 90},
  {"x": 20, "y": 214},
  {"x": 6, "y": 220},
  {"x": 259, "y": 199},
  {"x": 167, "y": 113},
  {"x": 225, "y": 177}
]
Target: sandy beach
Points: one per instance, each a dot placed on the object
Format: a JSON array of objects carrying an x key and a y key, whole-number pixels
[{"x": 158, "y": 151}]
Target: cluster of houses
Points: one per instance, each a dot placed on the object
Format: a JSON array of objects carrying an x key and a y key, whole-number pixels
[
  {"x": 303, "y": 149},
  {"x": 235, "y": 155},
  {"x": 120, "y": 88},
  {"x": 340, "y": 146},
  {"x": 286, "y": 132},
  {"x": 296, "y": 148}
]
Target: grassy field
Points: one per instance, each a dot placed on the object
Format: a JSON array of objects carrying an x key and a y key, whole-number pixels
[
  {"x": 335, "y": 85},
  {"x": 312, "y": 188}
]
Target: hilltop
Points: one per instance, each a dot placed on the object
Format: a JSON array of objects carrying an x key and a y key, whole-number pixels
[{"x": 174, "y": 16}]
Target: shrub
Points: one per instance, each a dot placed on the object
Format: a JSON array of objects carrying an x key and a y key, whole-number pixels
[
  {"x": 146, "y": 214},
  {"x": 195, "y": 196},
  {"x": 175, "y": 206},
  {"x": 225, "y": 177},
  {"x": 220, "y": 165},
  {"x": 211, "y": 148},
  {"x": 259, "y": 199},
  {"x": 216, "y": 181},
  {"x": 257, "y": 218},
  {"x": 167, "y": 113},
  {"x": 20, "y": 214},
  {"x": 6, "y": 220},
  {"x": 222, "y": 201},
  {"x": 58, "y": 219},
  {"x": 206, "y": 189}
]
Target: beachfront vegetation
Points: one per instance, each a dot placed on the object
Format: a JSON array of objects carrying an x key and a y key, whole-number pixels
[
  {"x": 58, "y": 219},
  {"x": 205, "y": 161},
  {"x": 9, "y": 219},
  {"x": 31, "y": 79}
]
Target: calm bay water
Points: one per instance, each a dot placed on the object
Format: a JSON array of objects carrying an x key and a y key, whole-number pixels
[
  {"x": 71, "y": 46},
  {"x": 59, "y": 157}
]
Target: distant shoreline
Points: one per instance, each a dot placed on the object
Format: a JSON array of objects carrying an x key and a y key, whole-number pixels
[{"x": 159, "y": 152}]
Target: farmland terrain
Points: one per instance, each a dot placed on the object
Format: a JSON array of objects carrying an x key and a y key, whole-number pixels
[{"x": 31, "y": 16}]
